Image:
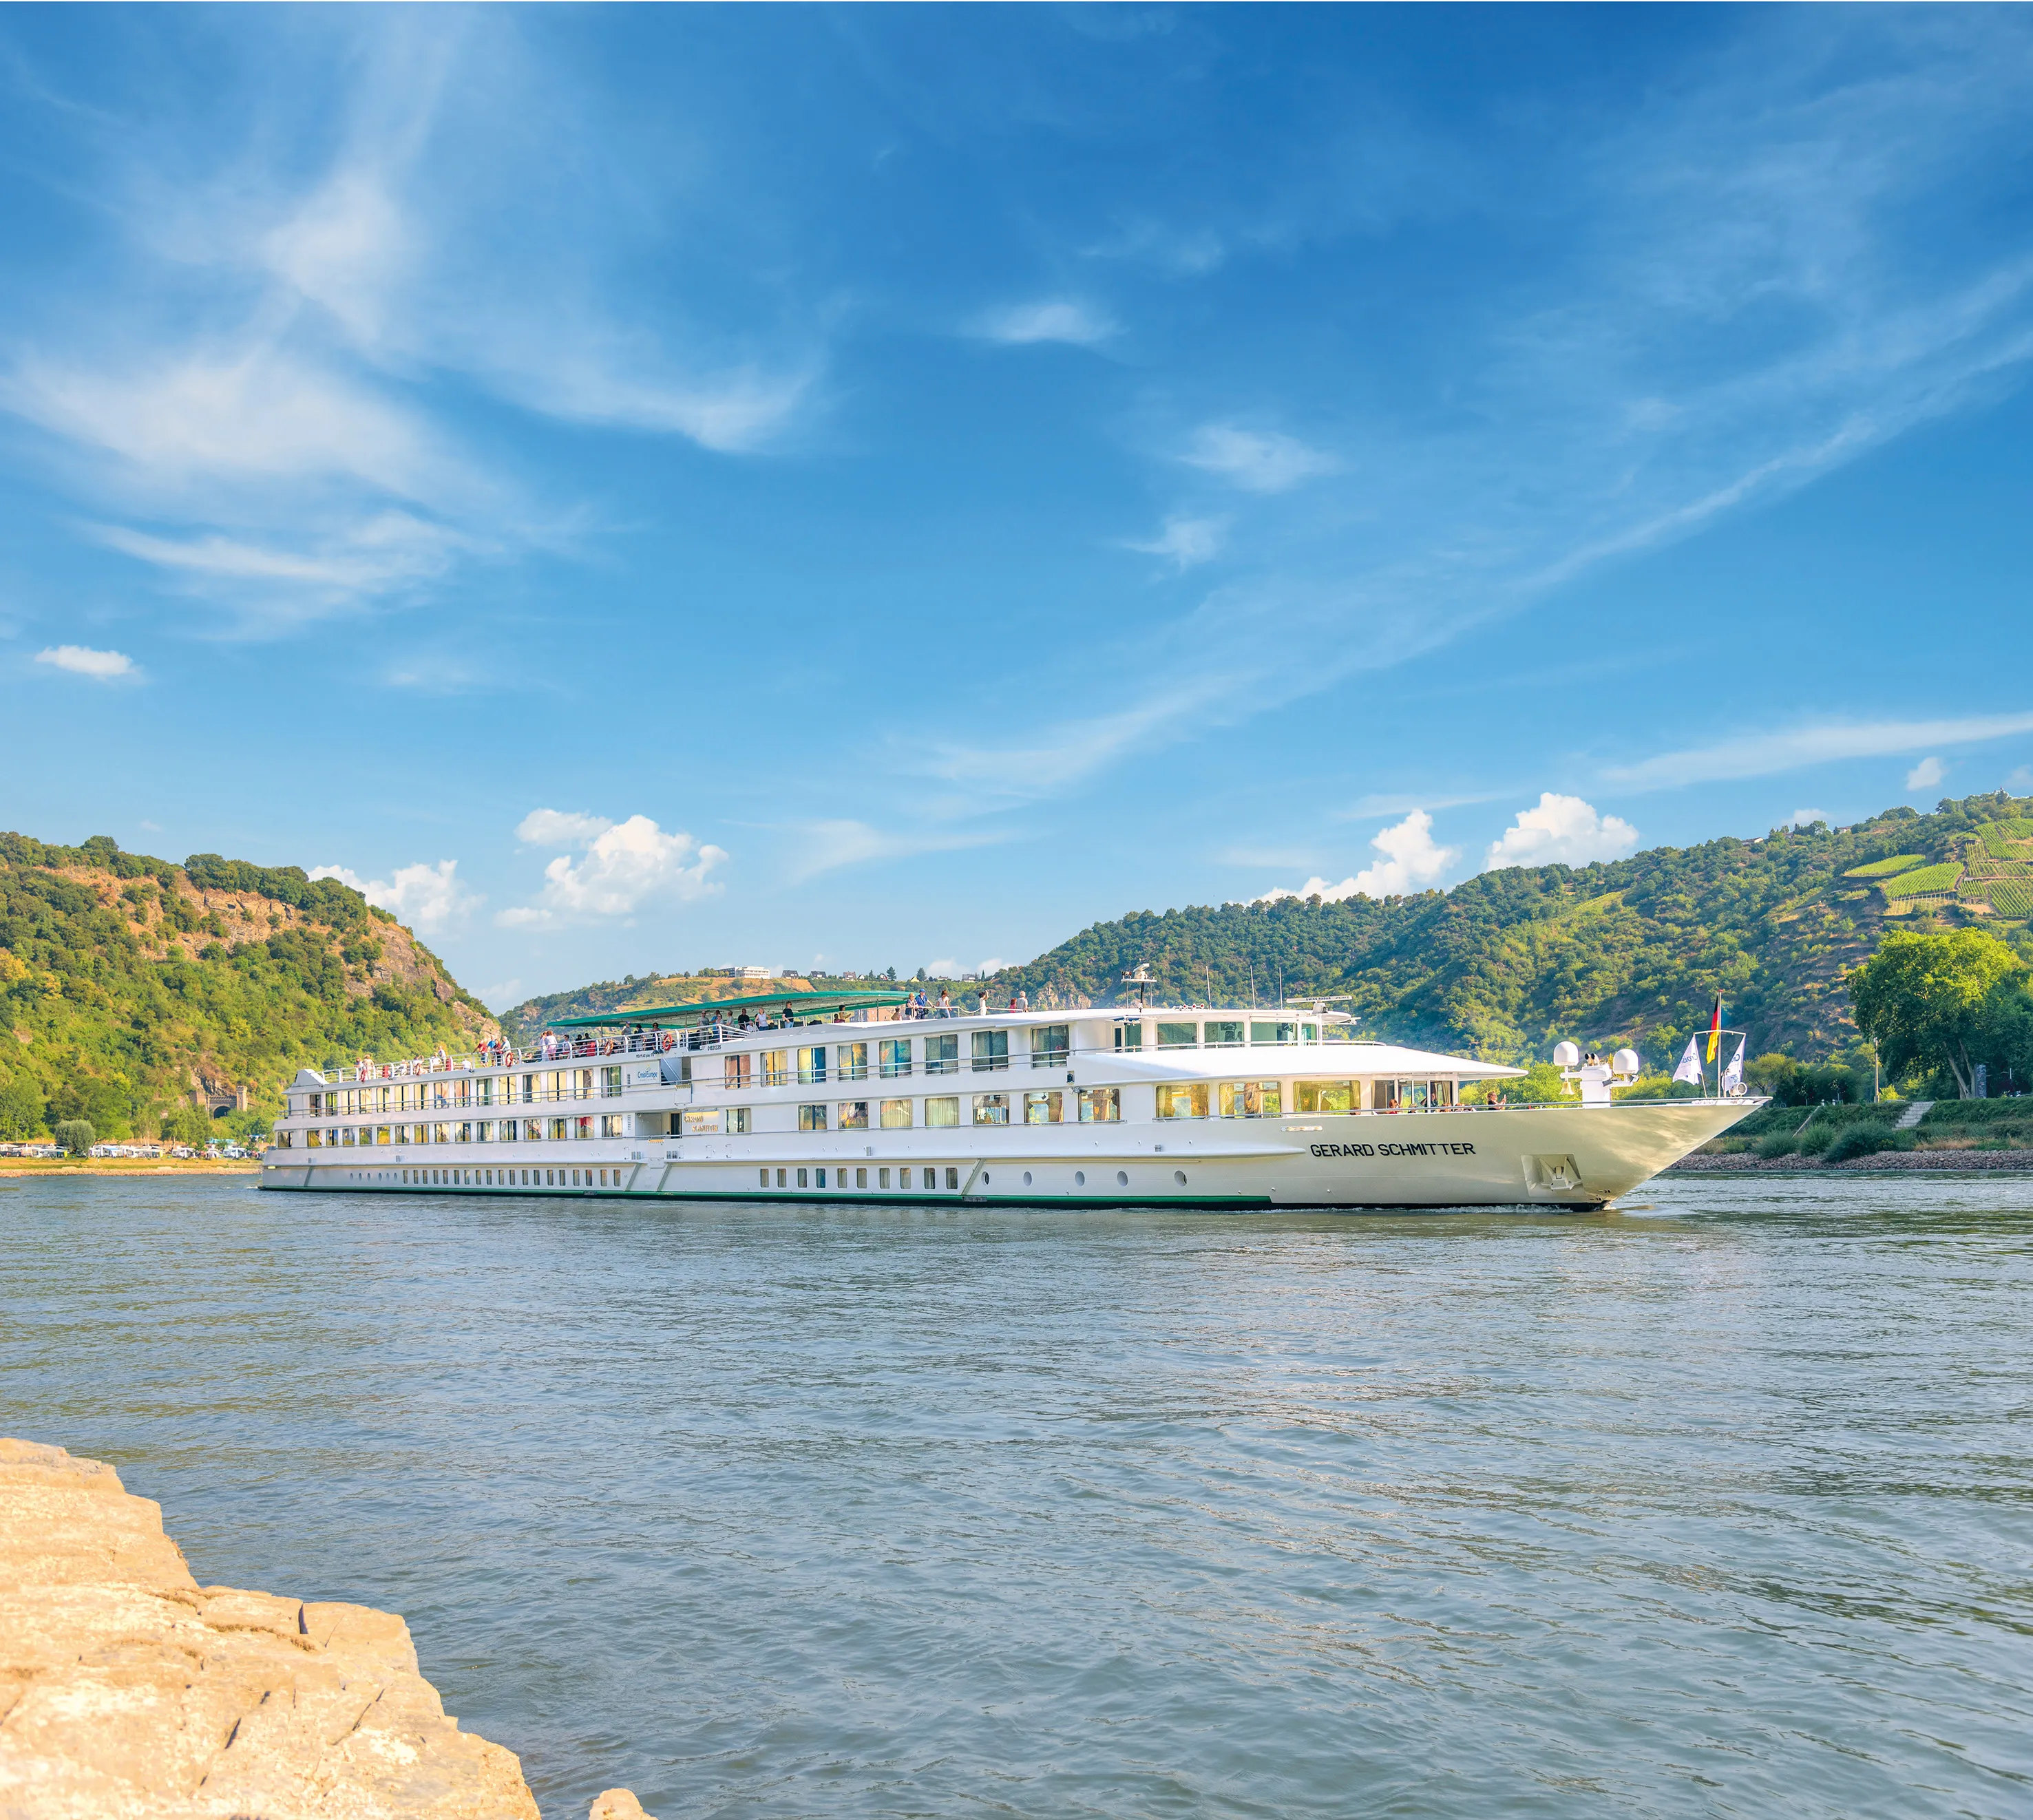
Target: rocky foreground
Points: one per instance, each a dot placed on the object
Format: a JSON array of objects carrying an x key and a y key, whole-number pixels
[
  {"x": 1885, "y": 1161},
  {"x": 128, "y": 1690}
]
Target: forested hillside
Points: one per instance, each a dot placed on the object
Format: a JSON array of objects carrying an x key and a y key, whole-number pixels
[
  {"x": 132, "y": 986},
  {"x": 1511, "y": 961}
]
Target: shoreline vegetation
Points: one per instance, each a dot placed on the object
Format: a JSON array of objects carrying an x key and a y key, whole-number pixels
[{"x": 144, "y": 1693}]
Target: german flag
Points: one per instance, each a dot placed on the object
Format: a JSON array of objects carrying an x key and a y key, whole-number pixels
[{"x": 1714, "y": 1029}]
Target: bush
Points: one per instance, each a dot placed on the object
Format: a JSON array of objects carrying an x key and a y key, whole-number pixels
[
  {"x": 1816, "y": 1138},
  {"x": 1867, "y": 1140},
  {"x": 76, "y": 1136},
  {"x": 1779, "y": 1144}
]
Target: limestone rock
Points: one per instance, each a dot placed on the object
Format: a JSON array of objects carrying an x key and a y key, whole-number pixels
[
  {"x": 618, "y": 1804},
  {"x": 129, "y": 1692}
]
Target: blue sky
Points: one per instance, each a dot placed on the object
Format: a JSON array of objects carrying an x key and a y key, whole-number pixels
[{"x": 641, "y": 488}]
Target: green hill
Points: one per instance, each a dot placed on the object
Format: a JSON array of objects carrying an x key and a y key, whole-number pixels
[
  {"x": 1632, "y": 951},
  {"x": 134, "y": 988}
]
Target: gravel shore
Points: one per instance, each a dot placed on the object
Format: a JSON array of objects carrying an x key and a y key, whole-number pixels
[{"x": 1885, "y": 1161}]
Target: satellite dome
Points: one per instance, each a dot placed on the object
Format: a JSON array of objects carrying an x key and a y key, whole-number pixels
[
  {"x": 1566, "y": 1055},
  {"x": 1625, "y": 1062}
]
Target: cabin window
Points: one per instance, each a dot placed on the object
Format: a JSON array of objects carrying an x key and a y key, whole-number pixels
[
  {"x": 734, "y": 1072},
  {"x": 1327, "y": 1096},
  {"x": 1309, "y": 1033},
  {"x": 776, "y": 1068},
  {"x": 346, "y": 1134},
  {"x": 561, "y": 1130},
  {"x": 582, "y": 1127},
  {"x": 1044, "y": 1108},
  {"x": 1183, "y": 1099},
  {"x": 582, "y": 1081},
  {"x": 529, "y": 1089},
  {"x": 991, "y": 1051},
  {"x": 860, "y": 1177},
  {"x": 811, "y": 1118},
  {"x": 1222, "y": 1035},
  {"x": 811, "y": 1065},
  {"x": 1129, "y": 1036},
  {"x": 1273, "y": 1032},
  {"x": 465, "y": 1132},
  {"x": 1250, "y": 1099},
  {"x": 286, "y": 1140},
  {"x": 896, "y": 1114},
  {"x": 894, "y": 1058},
  {"x": 381, "y": 1134},
  {"x": 882, "y": 1178},
  {"x": 854, "y": 1115},
  {"x": 440, "y": 1134},
  {"x": 851, "y": 1061},
  {"x": 314, "y": 1138},
  {"x": 802, "y": 1182},
  {"x": 942, "y": 1055},
  {"x": 991, "y": 1109},
  {"x": 611, "y": 1124},
  {"x": 1100, "y": 1105},
  {"x": 1178, "y": 1036},
  {"x": 942, "y": 1112},
  {"x": 461, "y": 1091},
  {"x": 737, "y": 1121},
  {"x": 699, "y": 1124},
  {"x": 610, "y": 1084},
  {"x": 1050, "y": 1043}
]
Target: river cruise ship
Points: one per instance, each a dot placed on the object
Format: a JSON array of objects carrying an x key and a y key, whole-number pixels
[{"x": 864, "y": 1095}]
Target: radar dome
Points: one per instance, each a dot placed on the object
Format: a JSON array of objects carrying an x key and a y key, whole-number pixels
[
  {"x": 1625, "y": 1062},
  {"x": 1566, "y": 1055}
]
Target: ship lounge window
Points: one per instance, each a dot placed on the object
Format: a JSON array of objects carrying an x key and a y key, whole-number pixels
[
  {"x": 1225, "y": 1035},
  {"x": 777, "y": 1067},
  {"x": 991, "y": 1109},
  {"x": 381, "y": 1134},
  {"x": 851, "y": 1061},
  {"x": 810, "y": 1118},
  {"x": 894, "y": 1058},
  {"x": 611, "y": 1123},
  {"x": 1050, "y": 1045},
  {"x": 734, "y": 1072},
  {"x": 1251, "y": 1099},
  {"x": 896, "y": 1114},
  {"x": 1129, "y": 1036},
  {"x": 942, "y": 1112},
  {"x": 811, "y": 1065},
  {"x": 991, "y": 1051},
  {"x": 314, "y": 1138},
  {"x": 1273, "y": 1032},
  {"x": 1183, "y": 1099},
  {"x": 1047, "y": 1108},
  {"x": 1309, "y": 1033},
  {"x": 610, "y": 1084},
  {"x": 737, "y": 1121},
  {"x": 440, "y": 1134},
  {"x": 1100, "y": 1105},
  {"x": 1178, "y": 1036},
  {"x": 1327, "y": 1096},
  {"x": 700, "y": 1124},
  {"x": 582, "y": 1127},
  {"x": 942, "y": 1055},
  {"x": 854, "y": 1115}
]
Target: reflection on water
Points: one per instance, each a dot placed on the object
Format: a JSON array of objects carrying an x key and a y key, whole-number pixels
[{"x": 1717, "y": 1505}]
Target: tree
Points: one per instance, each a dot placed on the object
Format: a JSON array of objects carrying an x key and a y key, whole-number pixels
[
  {"x": 1922, "y": 999},
  {"x": 187, "y": 1125},
  {"x": 76, "y": 1136},
  {"x": 20, "y": 1107}
]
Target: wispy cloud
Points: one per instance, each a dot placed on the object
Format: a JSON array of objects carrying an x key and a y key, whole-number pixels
[
  {"x": 1259, "y": 461},
  {"x": 1184, "y": 542},
  {"x": 1054, "y": 319},
  {"x": 83, "y": 660},
  {"x": 827, "y": 846},
  {"x": 1766, "y": 754},
  {"x": 1927, "y": 775}
]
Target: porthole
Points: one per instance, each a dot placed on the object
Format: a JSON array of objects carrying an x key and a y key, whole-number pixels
[
  {"x": 1026, "y": 1178},
  {"x": 1079, "y": 1178},
  {"x": 1122, "y": 1178},
  {"x": 984, "y": 1179},
  {"x": 1179, "y": 1176}
]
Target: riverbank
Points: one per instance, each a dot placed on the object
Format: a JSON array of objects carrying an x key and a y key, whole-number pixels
[
  {"x": 1883, "y": 1162},
  {"x": 127, "y": 1690},
  {"x": 127, "y": 1165}
]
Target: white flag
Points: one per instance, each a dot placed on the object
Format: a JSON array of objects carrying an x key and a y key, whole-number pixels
[
  {"x": 1732, "y": 1074},
  {"x": 1691, "y": 1063}
]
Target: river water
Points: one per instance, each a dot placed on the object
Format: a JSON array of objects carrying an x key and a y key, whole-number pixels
[{"x": 1716, "y": 1505}]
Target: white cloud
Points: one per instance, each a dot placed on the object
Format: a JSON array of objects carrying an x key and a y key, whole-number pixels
[
  {"x": 83, "y": 660},
  {"x": 1760, "y": 754},
  {"x": 1412, "y": 861},
  {"x": 1927, "y": 774},
  {"x": 2020, "y": 782},
  {"x": 1562, "y": 830},
  {"x": 995, "y": 964},
  {"x": 944, "y": 969},
  {"x": 1185, "y": 543},
  {"x": 428, "y": 898},
  {"x": 1806, "y": 817},
  {"x": 626, "y": 865},
  {"x": 1261, "y": 461},
  {"x": 1055, "y": 319},
  {"x": 825, "y": 845},
  {"x": 500, "y": 997}
]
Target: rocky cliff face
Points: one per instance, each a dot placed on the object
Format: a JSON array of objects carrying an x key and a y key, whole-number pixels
[{"x": 127, "y": 1690}]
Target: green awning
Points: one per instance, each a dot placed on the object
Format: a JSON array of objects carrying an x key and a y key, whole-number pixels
[{"x": 804, "y": 1004}]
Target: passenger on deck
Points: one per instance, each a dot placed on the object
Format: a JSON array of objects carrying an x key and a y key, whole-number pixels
[{"x": 945, "y": 1003}]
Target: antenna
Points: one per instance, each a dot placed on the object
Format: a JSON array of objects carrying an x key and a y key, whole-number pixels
[{"x": 1141, "y": 979}]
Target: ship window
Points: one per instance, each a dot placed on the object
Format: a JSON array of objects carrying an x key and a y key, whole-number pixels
[
  {"x": 697, "y": 1124},
  {"x": 776, "y": 1067},
  {"x": 1273, "y": 1032},
  {"x": 821, "y": 1176},
  {"x": 851, "y": 1061},
  {"x": 1327, "y": 1096},
  {"x": 811, "y": 1065},
  {"x": 1250, "y": 1099},
  {"x": 942, "y": 1112},
  {"x": 779, "y": 1178},
  {"x": 802, "y": 1182},
  {"x": 1183, "y": 1099},
  {"x": 1129, "y": 1036},
  {"x": 942, "y": 1055},
  {"x": 765, "y": 1175},
  {"x": 882, "y": 1178},
  {"x": 1225, "y": 1035},
  {"x": 991, "y": 1109},
  {"x": 991, "y": 1051},
  {"x": 896, "y": 1114},
  {"x": 734, "y": 1072},
  {"x": 1178, "y": 1036},
  {"x": 811, "y": 1118},
  {"x": 894, "y": 1058},
  {"x": 1050, "y": 1044},
  {"x": 582, "y": 1128},
  {"x": 1100, "y": 1105},
  {"x": 952, "y": 1178},
  {"x": 1309, "y": 1033},
  {"x": 737, "y": 1121},
  {"x": 610, "y": 1084},
  {"x": 854, "y": 1115},
  {"x": 1044, "y": 1108},
  {"x": 861, "y": 1177}
]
